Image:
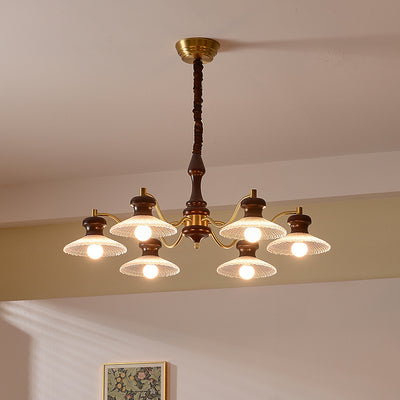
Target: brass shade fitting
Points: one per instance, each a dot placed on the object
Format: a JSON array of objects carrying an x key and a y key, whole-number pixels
[{"x": 191, "y": 48}]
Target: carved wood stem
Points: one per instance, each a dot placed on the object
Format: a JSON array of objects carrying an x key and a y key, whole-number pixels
[{"x": 196, "y": 204}]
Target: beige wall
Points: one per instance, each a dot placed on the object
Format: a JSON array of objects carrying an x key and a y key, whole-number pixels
[
  {"x": 363, "y": 232},
  {"x": 324, "y": 341}
]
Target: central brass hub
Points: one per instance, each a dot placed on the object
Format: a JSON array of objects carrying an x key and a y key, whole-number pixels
[
  {"x": 196, "y": 228},
  {"x": 196, "y": 219}
]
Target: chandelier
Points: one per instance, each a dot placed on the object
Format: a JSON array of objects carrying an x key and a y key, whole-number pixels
[{"x": 196, "y": 223}]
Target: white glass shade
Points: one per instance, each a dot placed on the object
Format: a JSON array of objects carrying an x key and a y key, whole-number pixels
[
  {"x": 80, "y": 247},
  {"x": 158, "y": 227},
  {"x": 232, "y": 268},
  {"x": 140, "y": 264},
  {"x": 269, "y": 230},
  {"x": 284, "y": 246}
]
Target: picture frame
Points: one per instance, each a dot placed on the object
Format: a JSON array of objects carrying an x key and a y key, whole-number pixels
[{"x": 135, "y": 381}]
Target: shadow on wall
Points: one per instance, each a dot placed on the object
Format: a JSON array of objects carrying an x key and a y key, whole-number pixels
[
  {"x": 387, "y": 45},
  {"x": 63, "y": 354},
  {"x": 15, "y": 362},
  {"x": 303, "y": 342}
]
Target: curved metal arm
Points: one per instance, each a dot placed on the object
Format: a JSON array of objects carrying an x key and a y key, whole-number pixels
[
  {"x": 171, "y": 246},
  {"x": 220, "y": 244},
  {"x": 157, "y": 207},
  {"x": 95, "y": 213},
  {"x": 178, "y": 223},
  {"x": 220, "y": 224},
  {"x": 282, "y": 214},
  {"x": 214, "y": 222},
  {"x": 237, "y": 208},
  {"x": 161, "y": 215}
]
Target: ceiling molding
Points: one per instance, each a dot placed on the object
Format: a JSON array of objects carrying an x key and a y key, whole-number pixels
[{"x": 329, "y": 177}]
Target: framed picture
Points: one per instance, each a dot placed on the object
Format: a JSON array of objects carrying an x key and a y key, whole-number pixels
[{"x": 135, "y": 381}]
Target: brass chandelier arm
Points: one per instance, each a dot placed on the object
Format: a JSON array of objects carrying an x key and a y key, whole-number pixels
[
  {"x": 235, "y": 212},
  {"x": 157, "y": 207},
  {"x": 181, "y": 222},
  {"x": 95, "y": 213},
  {"x": 282, "y": 214},
  {"x": 220, "y": 244},
  {"x": 214, "y": 222},
  {"x": 161, "y": 215},
  {"x": 171, "y": 246}
]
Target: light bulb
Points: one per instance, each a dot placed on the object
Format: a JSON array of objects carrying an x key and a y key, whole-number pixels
[
  {"x": 95, "y": 251},
  {"x": 143, "y": 233},
  {"x": 246, "y": 272},
  {"x": 299, "y": 249},
  {"x": 150, "y": 271},
  {"x": 252, "y": 235}
]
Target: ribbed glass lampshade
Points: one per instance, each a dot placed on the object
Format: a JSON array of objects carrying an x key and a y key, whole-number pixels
[
  {"x": 80, "y": 247},
  {"x": 284, "y": 245},
  {"x": 158, "y": 227},
  {"x": 135, "y": 267},
  {"x": 269, "y": 230},
  {"x": 231, "y": 269}
]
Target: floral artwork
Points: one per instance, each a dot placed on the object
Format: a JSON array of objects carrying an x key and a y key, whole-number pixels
[{"x": 135, "y": 381}]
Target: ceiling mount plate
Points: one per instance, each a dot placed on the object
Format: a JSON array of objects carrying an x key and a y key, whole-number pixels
[{"x": 191, "y": 48}]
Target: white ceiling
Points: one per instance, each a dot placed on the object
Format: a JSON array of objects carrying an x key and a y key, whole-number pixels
[{"x": 95, "y": 88}]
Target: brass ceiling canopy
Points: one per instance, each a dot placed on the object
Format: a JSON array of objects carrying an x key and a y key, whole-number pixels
[
  {"x": 190, "y": 49},
  {"x": 196, "y": 223}
]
